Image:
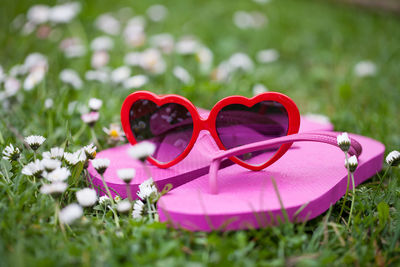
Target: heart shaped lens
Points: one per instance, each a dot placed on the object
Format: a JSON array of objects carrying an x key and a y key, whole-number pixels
[
  {"x": 238, "y": 125},
  {"x": 169, "y": 127}
]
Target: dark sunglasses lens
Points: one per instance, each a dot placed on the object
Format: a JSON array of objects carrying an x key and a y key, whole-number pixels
[
  {"x": 239, "y": 125},
  {"x": 169, "y": 127}
]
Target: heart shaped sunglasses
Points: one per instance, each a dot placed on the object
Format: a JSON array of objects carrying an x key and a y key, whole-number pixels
[{"x": 173, "y": 124}]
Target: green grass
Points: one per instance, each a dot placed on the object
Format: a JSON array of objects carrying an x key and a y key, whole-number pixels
[{"x": 319, "y": 44}]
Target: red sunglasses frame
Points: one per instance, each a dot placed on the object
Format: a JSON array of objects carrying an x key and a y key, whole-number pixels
[{"x": 210, "y": 123}]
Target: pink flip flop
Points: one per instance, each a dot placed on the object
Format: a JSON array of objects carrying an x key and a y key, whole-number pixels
[
  {"x": 310, "y": 177},
  {"x": 193, "y": 166}
]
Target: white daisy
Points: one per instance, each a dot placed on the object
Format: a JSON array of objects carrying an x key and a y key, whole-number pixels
[
  {"x": 124, "y": 206},
  {"x": 262, "y": 1},
  {"x": 97, "y": 75},
  {"x": 137, "y": 212},
  {"x": 135, "y": 82},
  {"x": 74, "y": 158},
  {"x": 114, "y": 132},
  {"x": 352, "y": 162},
  {"x": 393, "y": 158},
  {"x": 267, "y": 56},
  {"x": 102, "y": 43},
  {"x": 147, "y": 189},
  {"x": 2, "y": 74},
  {"x": 222, "y": 72},
  {"x": 134, "y": 34},
  {"x": 242, "y": 19},
  {"x": 51, "y": 164},
  {"x": 126, "y": 174},
  {"x": 11, "y": 86},
  {"x": 54, "y": 153},
  {"x": 343, "y": 142},
  {"x": 182, "y": 74},
  {"x": 100, "y": 59},
  {"x": 138, "y": 22},
  {"x": 152, "y": 61},
  {"x": 35, "y": 60},
  {"x": 53, "y": 189},
  {"x": 64, "y": 13},
  {"x": 117, "y": 199},
  {"x": 48, "y": 103},
  {"x": 33, "y": 79},
  {"x": 71, "y": 213},
  {"x": 35, "y": 141},
  {"x": 101, "y": 164},
  {"x": 259, "y": 19},
  {"x": 163, "y": 41},
  {"x": 11, "y": 153},
  {"x": 157, "y": 12},
  {"x": 241, "y": 61},
  {"x": 187, "y": 45},
  {"x": 104, "y": 200},
  {"x": 245, "y": 20},
  {"x": 205, "y": 57},
  {"x": 320, "y": 118},
  {"x": 58, "y": 175},
  {"x": 90, "y": 118},
  {"x": 259, "y": 89},
  {"x": 34, "y": 168},
  {"x": 365, "y": 68},
  {"x": 38, "y": 14},
  {"x": 72, "y": 78},
  {"x": 95, "y": 104},
  {"x": 90, "y": 151},
  {"x": 86, "y": 197},
  {"x": 133, "y": 58},
  {"x": 120, "y": 74},
  {"x": 108, "y": 24},
  {"x": 142, "y": 150},
  {"x": 72, "y": 47}
]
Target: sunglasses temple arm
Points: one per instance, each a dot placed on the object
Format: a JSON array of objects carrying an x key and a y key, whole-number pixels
[{"x": 321, "y": 137}]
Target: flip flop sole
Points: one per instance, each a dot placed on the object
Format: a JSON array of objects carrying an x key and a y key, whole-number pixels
[
  {"x": 310, "y": 178},
  {"x": 193, "y": 166}
]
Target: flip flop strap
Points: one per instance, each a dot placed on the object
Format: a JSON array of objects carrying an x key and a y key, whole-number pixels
[{"x": 321, "y": 137}]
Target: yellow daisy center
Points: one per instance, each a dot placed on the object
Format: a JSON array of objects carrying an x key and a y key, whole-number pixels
[{"x": 114, "y": 133}]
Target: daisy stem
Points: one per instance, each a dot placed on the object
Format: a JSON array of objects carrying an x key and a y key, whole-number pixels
[
  {"x": 348, "y": 184},
  {"x": 150, "y": 211},
  {"x": 352, "y": 199},
  {"x": 107, "y": 189},
  {"x": 146, "y": 170},
  {"x": 381, "y": 180},
  {"x": 34, "y": 155},
  {"x": 20, "y": 162},
  {"x": 383, "y": 177},
  {"x": 128, "y": 192},
  {"x": 80, "y": 131},
  {"x": 116, "y": 219},
  {"x": 1, "y": 138},
  {"x": 95, "y": 138},
  {"x": 88, "y": 178},
  {"x": 6, "y": 177},
  {"x": 56, "y": 211}
]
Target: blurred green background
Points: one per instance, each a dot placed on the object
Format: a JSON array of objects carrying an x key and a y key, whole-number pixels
[{"x": 319, "y": 45}]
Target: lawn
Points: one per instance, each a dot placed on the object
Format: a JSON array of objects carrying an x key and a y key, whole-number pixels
[{"x": 319, "y": 44}]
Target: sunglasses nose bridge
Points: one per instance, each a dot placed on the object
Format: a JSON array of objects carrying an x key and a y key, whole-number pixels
[{"x": 204, "y": 124}]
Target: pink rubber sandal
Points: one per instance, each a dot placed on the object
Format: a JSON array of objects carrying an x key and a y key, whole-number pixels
[
  {"x": 310, "y": 177},
  {"x": 196, "y": 164}
]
